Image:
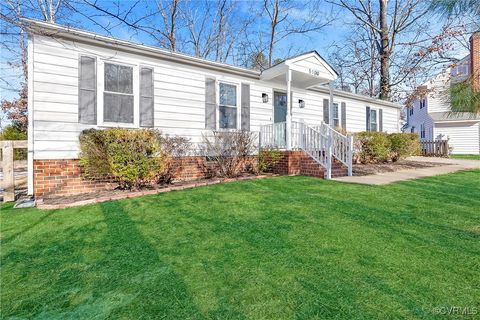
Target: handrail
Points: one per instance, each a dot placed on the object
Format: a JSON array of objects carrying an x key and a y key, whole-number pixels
[{"x": 322, "y": 143}]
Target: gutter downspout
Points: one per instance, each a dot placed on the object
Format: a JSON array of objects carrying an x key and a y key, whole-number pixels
[{"x": 30, "y": 131}]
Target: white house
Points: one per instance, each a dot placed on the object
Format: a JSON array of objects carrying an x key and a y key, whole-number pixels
[
  {"x": 430, "y": 115},
  {"x": 80, "y": 80}
]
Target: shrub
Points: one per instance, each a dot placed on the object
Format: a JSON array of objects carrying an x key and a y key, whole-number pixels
[
  {"x": 130, "y": 157},
  {"x": 229, "y": 150},
  {"x": 404, "y": 145},
  {"x": 381, "y": 146},
  {"x": 170, "y": 147},
  {"x": 372, "y": 146},
  {"x": 14, "y": 132},
  {"x": 94, "y": 154},
  {"x": 268, "y": 159}
]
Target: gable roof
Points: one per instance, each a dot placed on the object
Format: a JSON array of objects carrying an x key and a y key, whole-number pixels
[
  {"x": 55, "y": 30},
  {"x": 306, "y": 54}
]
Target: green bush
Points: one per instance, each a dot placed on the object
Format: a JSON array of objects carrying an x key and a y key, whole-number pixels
[
  {"x": 13, "y": 132},
  {"x": 130, "y": 157},
  {"x": 372, "y": 146},
  {"x": 404, "y": 145},
  {"x": 268, "y": 159}
]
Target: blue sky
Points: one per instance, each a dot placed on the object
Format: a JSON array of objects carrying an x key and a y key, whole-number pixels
[{"x": 322, "y": 41}]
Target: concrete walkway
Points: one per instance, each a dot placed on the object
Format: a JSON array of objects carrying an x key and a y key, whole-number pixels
[{"x": 451, "y": 165}]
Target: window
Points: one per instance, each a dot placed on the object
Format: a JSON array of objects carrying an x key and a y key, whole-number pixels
[
  {"x": 422, "y": 131},
  {"x": 423, "y": 103},
  {"x": 410, "y": 111},
  {"x": 227, "y": 106},
  {"x": 336, "y": 122},
  {"x": 412, "y": 130},
  {"x": 118, "y": 93},
  {"x": 373, "y": 120}
]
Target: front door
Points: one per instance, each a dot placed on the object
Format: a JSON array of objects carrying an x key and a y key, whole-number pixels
[
  {"x": 279, "y": 118},
  {"x": 279, "y": 107}
]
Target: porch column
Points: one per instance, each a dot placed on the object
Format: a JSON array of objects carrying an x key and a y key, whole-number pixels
[{"x": 289, "y": 109}]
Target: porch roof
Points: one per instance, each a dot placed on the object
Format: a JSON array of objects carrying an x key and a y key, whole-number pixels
[{"x": 308, "y": 70}]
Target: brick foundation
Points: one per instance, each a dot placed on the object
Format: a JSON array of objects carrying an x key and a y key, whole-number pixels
[
  {"x": 300, "y": 163},
  {"x": 64, "y": 177}
]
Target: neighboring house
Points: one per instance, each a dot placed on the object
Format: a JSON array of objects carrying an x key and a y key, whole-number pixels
[
  {"x": 430, "y": 115},
  {"x": 80, "y": 80}
]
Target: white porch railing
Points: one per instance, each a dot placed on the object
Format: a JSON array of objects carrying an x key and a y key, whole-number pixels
[
  {"x": 274, "y": 135},
  {"x": 322, "y": 142}
]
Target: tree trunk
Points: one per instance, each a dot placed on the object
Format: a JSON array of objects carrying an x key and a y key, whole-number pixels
[
  {"x": 272, "y": 32},
  {"x": 173, "y": 27},
  {"x": 384, "y": 53}
]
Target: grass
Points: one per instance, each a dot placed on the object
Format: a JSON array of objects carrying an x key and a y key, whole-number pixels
[
  {"x": 466, "y": 156},
  {"x": 277, "y": 248}
]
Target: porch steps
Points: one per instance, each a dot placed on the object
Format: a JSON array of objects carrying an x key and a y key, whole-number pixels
[
  {"x": 298, "y": 162},
  {"x": 310, "y": 167},
  {"x": 320, "y": 151}
]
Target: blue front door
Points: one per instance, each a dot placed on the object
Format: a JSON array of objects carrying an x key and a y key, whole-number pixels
[{"x": 279, "y": 119}]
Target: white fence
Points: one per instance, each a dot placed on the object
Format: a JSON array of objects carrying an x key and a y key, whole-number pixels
[{"x": 10, "y": 178}]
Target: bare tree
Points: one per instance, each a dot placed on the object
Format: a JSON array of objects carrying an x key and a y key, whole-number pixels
[
  {"x": 13, "y": 47},
  {"x": 403, "y": 15},
  {"x": 356, "y": 61},
  {"x": 283, "y": 20},
  {"x": 49, "y": 9},
  {"x": 215, "y": 29},
  {"x": 170, "y": 14},
  {"x": 402, "y": 40}
]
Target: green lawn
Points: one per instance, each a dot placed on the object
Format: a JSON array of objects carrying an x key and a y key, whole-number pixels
[
  {"x": 277, "y": 248},
  {"x": 466, "y": 156}
]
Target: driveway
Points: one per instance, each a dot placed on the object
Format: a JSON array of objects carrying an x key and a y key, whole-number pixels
[{"x": 451, "y": 165}]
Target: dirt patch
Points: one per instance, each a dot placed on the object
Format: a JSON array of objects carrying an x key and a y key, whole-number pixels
[
  {"x": 58, "y": 202},
  {"x": 374, "y": 168}
]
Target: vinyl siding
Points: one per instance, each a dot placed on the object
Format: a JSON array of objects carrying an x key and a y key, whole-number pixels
[
  {"x": 421, "y": 116},
  {"x": 464, "y": 138},
  {"x": 179, "y": 97},
  {"x": 436, "y": 101}
]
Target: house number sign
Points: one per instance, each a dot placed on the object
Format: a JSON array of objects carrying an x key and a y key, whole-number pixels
[{"x": 314, "y": 72}]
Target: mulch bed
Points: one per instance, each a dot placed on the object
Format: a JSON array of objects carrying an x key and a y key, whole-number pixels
[
  {"x": 374, "y": 168},
  {"x": 61, "y": 202}
]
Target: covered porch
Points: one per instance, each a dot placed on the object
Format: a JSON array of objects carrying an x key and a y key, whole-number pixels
[
  {"x": 321, "y": 143},
  {"x": 304, "y": 71}
]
